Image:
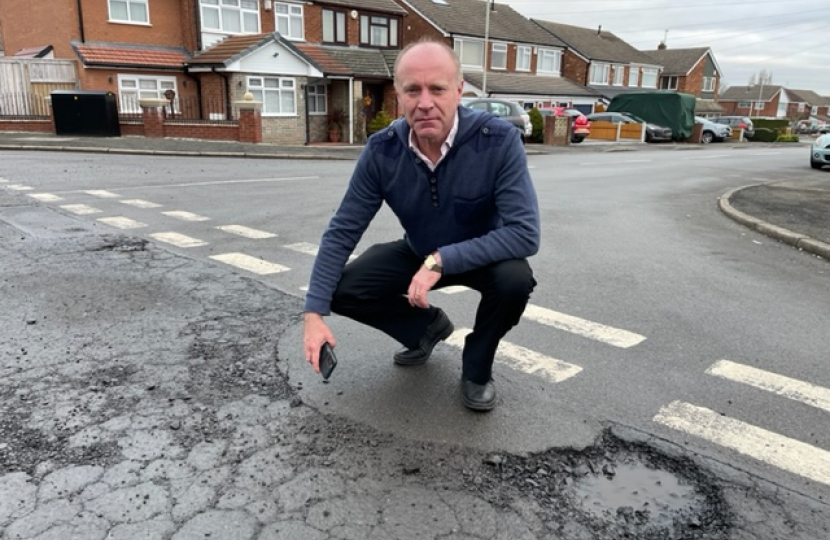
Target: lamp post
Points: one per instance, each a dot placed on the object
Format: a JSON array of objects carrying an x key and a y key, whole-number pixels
[
  {"x": 760, "y": 96},
  {"x": 486, "y": 46}
]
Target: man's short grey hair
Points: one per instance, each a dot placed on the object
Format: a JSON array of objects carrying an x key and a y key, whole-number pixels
[{"x": 458, "y": 73}]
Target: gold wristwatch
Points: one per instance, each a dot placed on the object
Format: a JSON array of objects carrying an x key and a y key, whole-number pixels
[{"x": 432, "y": 264}]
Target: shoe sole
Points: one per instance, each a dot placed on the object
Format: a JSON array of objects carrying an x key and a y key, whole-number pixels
[
  {"x": 479, "y": 406},
  {"x": 441, "y": 337}
]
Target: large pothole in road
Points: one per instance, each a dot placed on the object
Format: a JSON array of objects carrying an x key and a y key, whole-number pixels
[{"x": 615, "y": 489}]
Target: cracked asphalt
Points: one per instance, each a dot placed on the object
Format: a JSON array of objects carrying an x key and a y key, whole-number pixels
[{"x": 142, "y": 396}]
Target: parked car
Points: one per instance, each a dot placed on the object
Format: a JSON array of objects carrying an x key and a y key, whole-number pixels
[
  {"x": 712, "y": 132},
  {"x": 737, "y": 122},
  {"x": 506, "y": 109},
  {"x": 581, "y": 125},
  {"x": 820, "y": 151},
  {"x": 654, "y": 132}
]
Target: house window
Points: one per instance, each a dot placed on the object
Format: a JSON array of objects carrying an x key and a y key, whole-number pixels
[
  {"x": 498, "y": 56},
  {"x": 668, "y": 82},
  {"x": 759, "y": 105},
  {"x": 231, "y": 16},
  {"x": 334, "y": 26},
  {"x": 633, "y": 76},
  {"x": 522, "y": 58},
  {"x": 744, "y": 104},
  {"x": 549, "y": 61},
  {"x": 599, "y": 73},
  {"x": 133, "y": 88},
  {"x": 277, "y": 94},
  {"x": 814, "y": 110},
  {"x": 316, "y": 99},
  {"x": 619, "y": 75},
  {"x": 471, "y": 53},
  {"x": 289, "y": 20},
  {"x": 801, "y": 107},
  {"x": 134, "y": 11},
  {"x": 708, "y": 84},
  {"x": 649, "y": 77},
  {"x": 378, "y": 31}
]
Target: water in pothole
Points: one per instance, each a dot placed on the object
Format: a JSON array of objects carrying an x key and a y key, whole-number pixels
[{"x": 635, "y": 488}]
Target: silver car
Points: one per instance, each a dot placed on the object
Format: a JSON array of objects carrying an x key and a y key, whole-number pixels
[
  {"x": 710, "y": 131},
  {"x": 506, "y": 109},
  {"x": 820, "y": 151}
]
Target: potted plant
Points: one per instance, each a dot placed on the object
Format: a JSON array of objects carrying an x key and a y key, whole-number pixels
[
  {"x": 379, "y": 122},
  {"x": 336, "y": 119}
]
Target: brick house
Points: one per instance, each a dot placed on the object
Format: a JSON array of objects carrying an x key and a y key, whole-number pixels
[
  {"x": 770, "y": 101},
  {"x": 523, "y": 62},
  {"x": 602, "y": 61},
  {"x": 816, "y": 108},
  {"x": 690, "y": 71}
]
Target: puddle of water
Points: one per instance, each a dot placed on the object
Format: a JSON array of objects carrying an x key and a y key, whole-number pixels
[{"x": 639, "y": 487}]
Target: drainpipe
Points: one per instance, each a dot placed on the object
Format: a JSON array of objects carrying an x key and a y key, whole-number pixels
[
  {"x": 81, "y": 20},
  {"x": 307, "y": 116},
  {"x": 351, "y": 110}
]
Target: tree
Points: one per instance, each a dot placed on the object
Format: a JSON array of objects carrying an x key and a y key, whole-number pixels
[{"x": 762, "y": 77}]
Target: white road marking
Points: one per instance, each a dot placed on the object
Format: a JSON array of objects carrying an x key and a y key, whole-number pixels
[
  {"x": 454, "y": 289},
  {"x": 45, "y": 197},
  {"x": 3, "y": 180},
  {"x": 247, "y": 232},
  {"x": 122, "y": 222},
  {"x": 523, "y": 359},
  {"x": 178, "y": 240},
  {"x": 303, "y": 247},
  {"x": 712, "y": 156},
  {"x": 185, "y": 216},
  {"x": 815, "y": 396},
  {"x": 102, "y": 193},
  {"x": 304, "y": 288},
  {"x": 596, "y": 331},
  {"x": 251, "y": 264},
  {"x": 19, "y": 187},
  {"x": 140, "y": 203},
  {"x": 80, "y": 209},
  {"x": 758, "y": 443}
]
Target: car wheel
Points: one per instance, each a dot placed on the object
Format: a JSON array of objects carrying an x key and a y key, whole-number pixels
[
  {"x": 577, "y": 140},
  {"x": 815, "y": 164},
  {"x": 707, "y": 137}
]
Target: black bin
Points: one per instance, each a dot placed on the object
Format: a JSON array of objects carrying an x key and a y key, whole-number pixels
[{"x": 85, "y": 112}]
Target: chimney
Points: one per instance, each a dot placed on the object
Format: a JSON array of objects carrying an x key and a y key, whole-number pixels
[{"x": 662, "y": 46}]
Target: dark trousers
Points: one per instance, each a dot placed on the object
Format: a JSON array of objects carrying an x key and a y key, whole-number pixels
[{"x": 373, "y": 287}]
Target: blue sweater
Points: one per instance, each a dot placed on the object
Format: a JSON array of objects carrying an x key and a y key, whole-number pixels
[{"x": 478, "y": 206}]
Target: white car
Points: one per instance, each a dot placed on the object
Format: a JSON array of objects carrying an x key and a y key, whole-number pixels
[
  {"x": 712, "y": 131},
  {"x": 820, "y": 151}
]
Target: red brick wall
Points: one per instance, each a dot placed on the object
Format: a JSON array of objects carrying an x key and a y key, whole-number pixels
[
  {"x": 36, "y": 126},
  {"x": 199, "y": 131},
  {"x": 29, "y": 24},
  {"x": 165, "y": 28},
  {"x": 574, "y": 68}
]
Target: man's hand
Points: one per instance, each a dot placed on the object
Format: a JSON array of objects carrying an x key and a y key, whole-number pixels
[
  {"x": 422, "y": 282},
  {"x": 316, "y": 333}
]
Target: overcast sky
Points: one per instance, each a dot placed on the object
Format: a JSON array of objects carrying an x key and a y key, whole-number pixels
[{"x": 789, "y": 38}]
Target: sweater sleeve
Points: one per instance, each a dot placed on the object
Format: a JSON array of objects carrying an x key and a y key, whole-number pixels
[
  {"x": 518, "y": 236},
  {"x": 360, "y": 203}
]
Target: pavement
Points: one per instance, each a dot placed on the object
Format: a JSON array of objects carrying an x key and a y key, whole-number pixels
[{"x": 143, "y": 396}]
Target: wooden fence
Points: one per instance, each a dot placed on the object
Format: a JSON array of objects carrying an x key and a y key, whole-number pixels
[{"x": 26, "y": 83}]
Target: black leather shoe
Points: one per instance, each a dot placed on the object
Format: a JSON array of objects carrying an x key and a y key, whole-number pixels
[
  {"x": 478, "y": 397},
  {"x": 438, "y": 330}
]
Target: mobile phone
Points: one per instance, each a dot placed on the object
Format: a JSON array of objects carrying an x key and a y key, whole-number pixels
[{"x": 328, "y": 360}]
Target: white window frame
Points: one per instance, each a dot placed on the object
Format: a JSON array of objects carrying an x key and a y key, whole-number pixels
[
  {"x": 669, "y": 79},
  {"x": 708, "y": 84},
  {"x": 459, "y": 45},
  {"x": 293, "y": 14},
  {"x": 133, "y": 88},
  {"x": 633, "y": 76},
  {"x": 498, "y": 56},
  {"x": 546, "y": 55},
  {"x": 221, "y": 8},
  {"x": 814, "y": 110},
  {"x": 744, "y": 104},
  {"x": 130, "y": 16},
  {"x": 317, "y": 99},
  {"x": 523, "y": 57},
  {"x": 256, "y": 85},
  {"x": 619, "y": 75},
  {"x": 599, "y": 73},
  {"x": 650, "y": 76}
]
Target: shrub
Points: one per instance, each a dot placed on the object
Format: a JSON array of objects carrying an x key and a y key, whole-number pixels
[
  {"x": 379, "y": 121},
  {"x": 538, "y": 123},
  {"x": 763, "y": 134},
  {"x": 787, "y": 138}
]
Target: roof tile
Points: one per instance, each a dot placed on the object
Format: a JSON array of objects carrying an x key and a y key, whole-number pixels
[{"x": 119, "y": 54}]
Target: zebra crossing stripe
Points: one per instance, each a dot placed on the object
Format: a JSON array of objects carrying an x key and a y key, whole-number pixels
[
  {"x": 815, "y": 396},
  {"x": 523, "y": 359},
  {"x": 589, "y": 329},
  {"x": 303, "y": 247},
  {"x": 788, "y": 454},
  {"x": 19, "y": 187},
  {"x": 121, "y": 222},
  {"x": 140, "y": 203},
  {"x": 45, "y": 197},
  {"x": 178, "y": 240},
  {"x": 186, "y": 216},
  {"x": 80, "y": 209},
  {"x": 247, "y": 232},
  {"x": 251, "y": 264},
  {"x": 102, "y": 193}
]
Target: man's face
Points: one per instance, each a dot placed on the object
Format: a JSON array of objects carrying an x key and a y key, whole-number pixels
[{"x": 429, "y": 91}]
